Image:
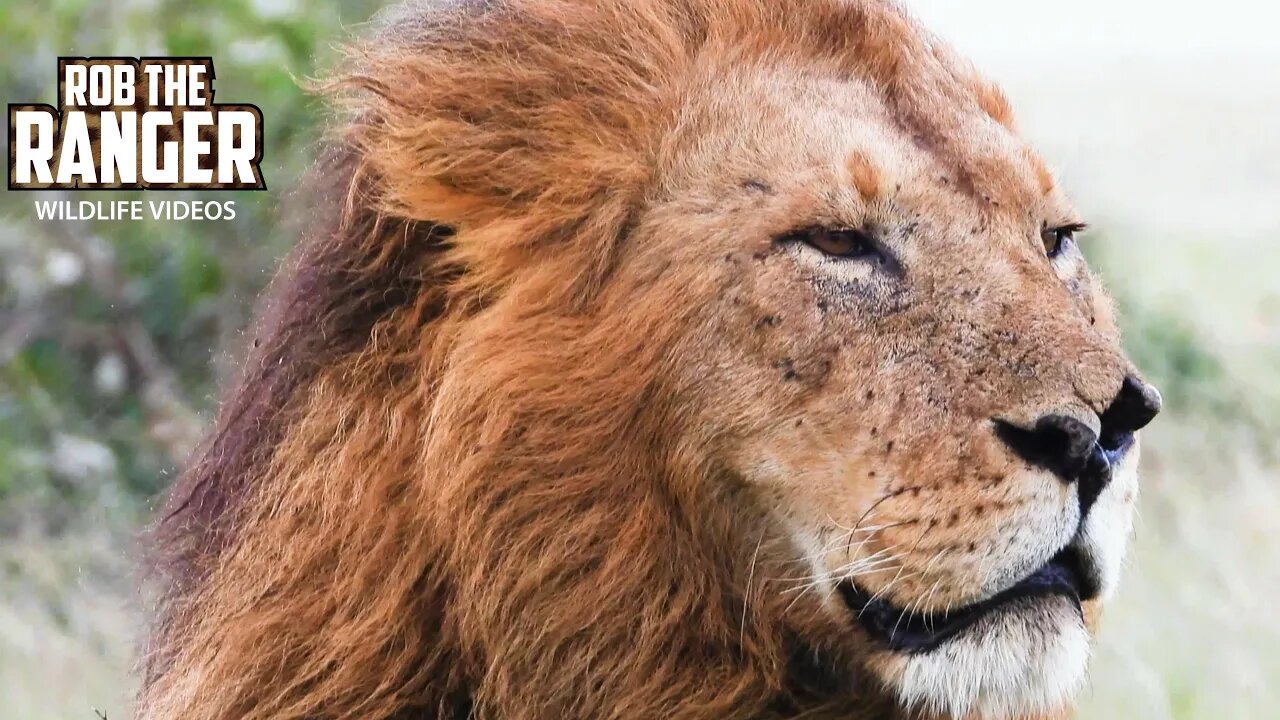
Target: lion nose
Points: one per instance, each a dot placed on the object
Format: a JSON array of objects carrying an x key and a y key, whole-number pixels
[
  {"x": 1133, "y": 408},
  {"x": 1059, "y": 443},
  {"x": 1071, "y": 449}
]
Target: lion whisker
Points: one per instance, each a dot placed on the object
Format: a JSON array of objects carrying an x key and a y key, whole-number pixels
[{"x": 746, "y": 598}]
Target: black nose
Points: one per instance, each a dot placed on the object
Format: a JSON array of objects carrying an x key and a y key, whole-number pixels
[
  {"x": 1059, "y": 443},
  {"x": 1070, "y": 449},
  {"x": 1134, "y": 406}
]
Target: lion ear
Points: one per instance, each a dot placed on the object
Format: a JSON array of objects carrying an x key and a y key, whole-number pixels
[{"x": 540, "y": 114}]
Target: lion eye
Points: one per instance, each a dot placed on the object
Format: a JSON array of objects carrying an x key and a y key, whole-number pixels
[
  {"x": 1058, "y": 239},
  {"x": 841, "y": 243}
]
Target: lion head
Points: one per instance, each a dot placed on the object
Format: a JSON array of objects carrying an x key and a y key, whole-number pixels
[{"x": 677, "y": 358}]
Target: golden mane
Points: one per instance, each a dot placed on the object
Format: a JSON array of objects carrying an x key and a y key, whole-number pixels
[{"x": 446, "y": 484}]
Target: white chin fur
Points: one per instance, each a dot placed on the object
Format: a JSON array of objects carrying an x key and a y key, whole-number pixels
[
  {"x": 1027, "y": 658},
  {"x": 1110, "y": 524}
]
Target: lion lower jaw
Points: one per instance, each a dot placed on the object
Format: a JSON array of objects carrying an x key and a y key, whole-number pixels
[{"x": 1026, "y": 659}]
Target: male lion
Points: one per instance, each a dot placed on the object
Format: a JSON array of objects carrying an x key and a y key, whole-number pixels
[{"x": 661, "y": 359}]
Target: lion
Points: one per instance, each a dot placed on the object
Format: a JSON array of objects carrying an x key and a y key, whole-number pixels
[{"x": 660, "y": 359}]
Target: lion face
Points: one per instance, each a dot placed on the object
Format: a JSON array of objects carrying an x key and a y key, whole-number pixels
[{"x": 905, "y": 358}]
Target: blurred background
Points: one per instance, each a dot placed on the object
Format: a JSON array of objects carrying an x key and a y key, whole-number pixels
[{"x": 1163, "y": 119}]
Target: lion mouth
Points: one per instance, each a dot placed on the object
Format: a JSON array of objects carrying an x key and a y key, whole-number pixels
[{"x": 904, "y": 631}]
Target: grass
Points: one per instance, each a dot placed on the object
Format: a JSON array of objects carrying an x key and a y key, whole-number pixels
[{"x": 1191, "y": 633}]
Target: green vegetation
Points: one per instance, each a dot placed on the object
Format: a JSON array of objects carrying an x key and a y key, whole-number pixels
[{"x": 114, "y": 335}]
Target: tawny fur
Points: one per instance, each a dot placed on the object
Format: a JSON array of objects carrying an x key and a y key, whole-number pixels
[{"x": 461, "y": 475}]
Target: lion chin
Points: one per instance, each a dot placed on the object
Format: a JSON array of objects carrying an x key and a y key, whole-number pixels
[
  {"x": 1028, "y": 658},
  {"x": 1021, "y": 652},
  {"x": 696, "y": 359}
]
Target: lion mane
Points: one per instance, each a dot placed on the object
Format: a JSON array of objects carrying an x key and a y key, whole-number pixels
[{"x": 445, "y": 486}]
